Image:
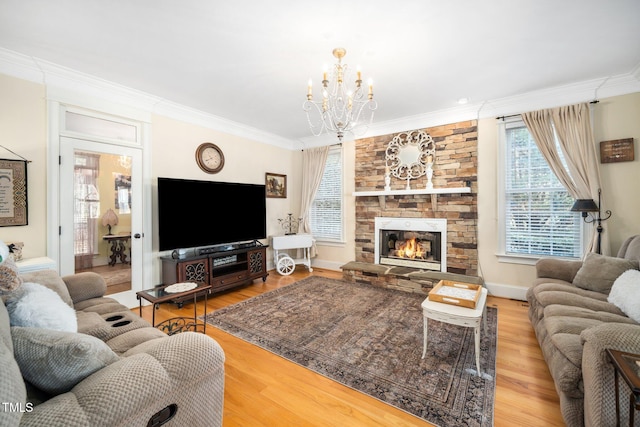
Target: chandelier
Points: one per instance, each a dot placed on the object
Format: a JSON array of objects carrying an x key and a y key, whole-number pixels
[{"x": 341, "y": 108}]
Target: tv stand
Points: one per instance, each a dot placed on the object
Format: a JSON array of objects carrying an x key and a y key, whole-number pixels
[{"x": 222, "y": 269}]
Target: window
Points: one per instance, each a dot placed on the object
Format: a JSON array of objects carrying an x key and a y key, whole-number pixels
[
  {"x": 326, "y": 211},
  {"x": 536, "y": 215}
]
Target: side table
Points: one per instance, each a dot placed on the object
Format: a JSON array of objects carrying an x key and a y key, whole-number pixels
[
  {"x": 157, "y": 295},
  {"x": 456, "y": 315},
  {"x": 626, "y": 365},
  {"x": 118, "y": 247}
]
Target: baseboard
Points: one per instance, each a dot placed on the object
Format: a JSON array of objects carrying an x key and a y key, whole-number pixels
[
  {"x": 507, "y": 291},
  {"x": 327, "y": 265}
]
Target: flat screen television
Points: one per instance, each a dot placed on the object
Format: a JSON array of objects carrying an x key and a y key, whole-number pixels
[{"x": 194, "y": 213}]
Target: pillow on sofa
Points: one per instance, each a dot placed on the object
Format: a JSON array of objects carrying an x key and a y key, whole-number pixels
[
  {"x": 55, "y": 361},
  {"x": 598, "y": 272},
  {"x": 34, "y": 305},
  {"x": 625, "y": 294},
  {"x": 9, "y": 278}
]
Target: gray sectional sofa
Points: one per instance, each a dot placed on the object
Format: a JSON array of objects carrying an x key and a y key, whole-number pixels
[
  {"x": 116, "y": 370},
  {"x": 574, "y": 320}
]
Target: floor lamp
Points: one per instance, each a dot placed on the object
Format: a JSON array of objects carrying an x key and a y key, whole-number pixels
[{"x": 588, "y": 205}]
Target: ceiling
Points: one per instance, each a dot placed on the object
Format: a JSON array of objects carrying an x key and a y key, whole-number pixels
[{"x": 249, "y": 61}]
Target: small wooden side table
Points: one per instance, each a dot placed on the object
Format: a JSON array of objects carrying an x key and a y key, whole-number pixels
[
  {"x": 626, "y": 365},
  {"x": 157, "y": 295}
]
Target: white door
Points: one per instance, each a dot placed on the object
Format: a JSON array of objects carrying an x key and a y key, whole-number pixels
[{"x": 101, "y": 213}]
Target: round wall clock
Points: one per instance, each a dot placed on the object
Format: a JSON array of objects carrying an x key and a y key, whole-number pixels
[{"x": 209, "y": 157}]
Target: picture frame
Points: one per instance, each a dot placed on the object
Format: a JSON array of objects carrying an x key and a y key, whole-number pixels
[
  {"x": 276, "y": 185},
  {"x": 13, "y": 193}
]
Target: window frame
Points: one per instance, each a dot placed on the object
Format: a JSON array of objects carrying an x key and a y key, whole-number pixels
[
  {"x": 503, "y": 256},
  {"x": 339, "y": 240}
]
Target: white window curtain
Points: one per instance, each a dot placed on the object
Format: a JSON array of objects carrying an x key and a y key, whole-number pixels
[
  {"x": 86, "y": 208},
  {"x": 313, "y": 162},
  {"x": 572, "y": 126}
]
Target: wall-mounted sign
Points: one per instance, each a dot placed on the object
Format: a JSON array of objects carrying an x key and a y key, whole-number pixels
[
  {"x": 13, "y": 193},
  {"x": 618, "y": 150}
]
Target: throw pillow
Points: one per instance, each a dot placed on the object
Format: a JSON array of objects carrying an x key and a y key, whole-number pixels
[
  {"x": 598, "y": 272},
  {"x": 55, "y": 361},
  {"x": 34, "y": 305},
  {"x": 625, "y": 294},
  {"x": 9, "y": 278}
]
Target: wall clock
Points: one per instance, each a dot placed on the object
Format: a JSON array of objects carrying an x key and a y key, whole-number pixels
[{"x": 209, "y": 157}]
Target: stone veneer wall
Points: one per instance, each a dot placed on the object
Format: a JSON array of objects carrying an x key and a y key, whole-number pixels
[{"x": 455, "y": 165}]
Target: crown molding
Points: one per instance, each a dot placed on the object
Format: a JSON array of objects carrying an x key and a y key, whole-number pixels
[
  {"x": 70, "y": 86},
  {"x": 66, "y": 85},
  {"x": 545, "y": 98}
]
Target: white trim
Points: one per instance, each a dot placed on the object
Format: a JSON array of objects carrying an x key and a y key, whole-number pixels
[
  {"x": 446, "y": 190},
  {"x": 72, "y": 87},
  {"x": 545, "y": 98},
  {"x": 53, "y": 181},
  {"x": 327, "y": 265},
  {"x": 65, "y": 80},
  {"x": 501, "y": 290}
]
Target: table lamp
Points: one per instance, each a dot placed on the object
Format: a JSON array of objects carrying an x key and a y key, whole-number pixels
[{"x": 109, "y": 219}]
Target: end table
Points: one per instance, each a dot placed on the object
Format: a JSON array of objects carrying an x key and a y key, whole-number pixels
[
  {"x": 626, "y": 365},
  {"x": 158, "y": 295}
]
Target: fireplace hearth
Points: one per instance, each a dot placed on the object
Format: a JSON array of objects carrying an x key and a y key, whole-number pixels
[{"x": 411, "y": 242}]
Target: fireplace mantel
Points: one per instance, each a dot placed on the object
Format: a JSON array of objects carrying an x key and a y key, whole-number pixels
[{"x": 433, "y": 191}]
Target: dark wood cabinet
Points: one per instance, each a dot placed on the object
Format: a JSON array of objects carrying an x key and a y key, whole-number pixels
[{"x": 222, "y": 270}]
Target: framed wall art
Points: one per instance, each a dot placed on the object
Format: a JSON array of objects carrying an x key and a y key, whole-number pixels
[
  {"x": 13, "y": 193},
  {"x": 276, "y": 185}
]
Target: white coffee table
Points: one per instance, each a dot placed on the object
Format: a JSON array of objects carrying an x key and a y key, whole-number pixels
[{"x": 456, "y": 315}]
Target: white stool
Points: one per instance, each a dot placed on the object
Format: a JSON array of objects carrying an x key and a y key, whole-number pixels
[{"x": 456, "y": 315}]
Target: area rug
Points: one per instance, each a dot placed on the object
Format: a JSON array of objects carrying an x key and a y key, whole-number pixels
[{"x": 370, "y": 339}]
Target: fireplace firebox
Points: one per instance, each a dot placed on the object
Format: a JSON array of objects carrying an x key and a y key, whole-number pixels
[{"x": 411, "y": 242}]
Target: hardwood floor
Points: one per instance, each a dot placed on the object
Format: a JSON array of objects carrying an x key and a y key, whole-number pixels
[{"x": 262, "y": 389}]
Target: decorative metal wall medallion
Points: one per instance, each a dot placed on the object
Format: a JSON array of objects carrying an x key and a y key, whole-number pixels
[{"x": 409, "y": 153}]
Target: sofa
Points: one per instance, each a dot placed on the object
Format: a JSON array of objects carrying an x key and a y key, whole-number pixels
[
  {"x": 578, "y": 309},
  {"x": 114, "y": 370}
]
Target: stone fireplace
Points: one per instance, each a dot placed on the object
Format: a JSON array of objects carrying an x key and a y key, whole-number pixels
[
  {"x": 411, "y": 242},
  {"x": 455, "y": 165}
]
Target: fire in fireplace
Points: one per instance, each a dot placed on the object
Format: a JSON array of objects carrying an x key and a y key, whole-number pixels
[{"x": 415, "y": 242}]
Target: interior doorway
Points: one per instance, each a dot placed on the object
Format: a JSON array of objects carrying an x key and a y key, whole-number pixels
[
  {"x": 102, "y": 217},
  {"x": 100, "y": 211}
]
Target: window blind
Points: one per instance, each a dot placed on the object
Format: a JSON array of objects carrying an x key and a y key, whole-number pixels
[
  {"x": 326, "y": 211},
  {"x": 538, "y": 220}
]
